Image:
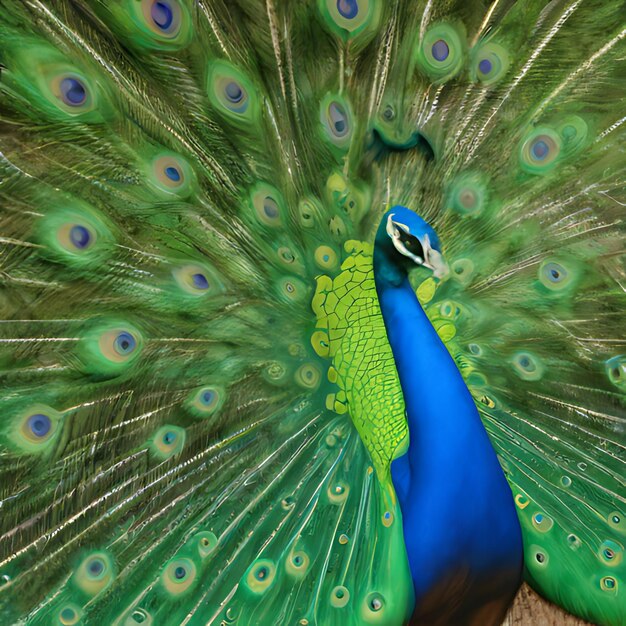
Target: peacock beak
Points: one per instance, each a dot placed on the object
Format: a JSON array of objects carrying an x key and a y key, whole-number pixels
[{"x": 434, "y": 259}]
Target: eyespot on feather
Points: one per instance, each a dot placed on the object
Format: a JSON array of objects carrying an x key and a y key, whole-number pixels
[
  {"x": 357, "y": 20},
  {"x": 308, "y": 376},
  {"x": 309, "y": 213},
  {"x": 527, "y": 366},
  {"x": 373, "y": 609},
  {"x": 467, "y": 194},
  {"x": 326, "y": 258},
  {"x": 167, "y": 441},
  {"x": 232, "y": 93},
  {"x": 297, "y": 564},
  {"x": 290, "y": 289},
  {"x": 206, "y": 401},
  {"x": 615, "y": 369},
  {"x": 540, "y": 150},
  {"x": 170, "y": 174},
  {"x": 69, "y": 614},
  {"x": 109, "y": 347},
  {"x": 267, "y": 205},
  {"x": 35, "y": 429},
  {"x": 150, "y": 24},
  {"x": 206, "y": 543},
  {"x": 337, "y": 122},
  {"x": 55, "y": 86},
  {"x": 260, "y": 576},
  {"x": 574, "y": 133},
  {"x": 556, "y": 276},
  {"x": 339, "y": 597},
  {"x": 73, "y": 233},
  {"x": 178, "y": 576},
  {"x": 441, "y": 52},
  {"x": 197, "y": 280},
  {"x": 95, "y": 573},
  {"x": 489, "y": 63},
  {"x": 135, "y": 616}
]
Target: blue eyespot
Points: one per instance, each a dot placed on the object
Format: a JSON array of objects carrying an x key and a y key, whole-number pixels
[
  {"x": 539, "y": 150},
  {"x": 180, "y": 572},
  {"x": 200, "y": 281},
  {"x": 95, "y": 567},
  {"x": 206, "y": 400},
  {"x": 39, "y": 425},
  {"x": 554, "y": 272},
  {"x": 80, "y": 236},
  {"x": 485, "y": 66},
  {"x": 124, "y": 343},
  {"x": 348, "y": 8},
  {"x": 233, "y": 92},
  {"x": 73, "y": 91},
  {"x": 172, "y": 173},
  {"x": 440, "y": 50},
  {"x": 270, "y": 208},
  {"x": 169, "y": 437},
  {"x": 338, "y": 118},
  {"x": 68, "y": 615},
  {"x": 528, "y": 367},
  {"x": 162, "y": 15}
]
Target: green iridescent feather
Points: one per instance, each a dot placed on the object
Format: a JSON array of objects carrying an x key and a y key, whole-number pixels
[{"x": 200, "y": 405}]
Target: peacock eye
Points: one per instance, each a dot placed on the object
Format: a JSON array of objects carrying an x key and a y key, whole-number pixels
[{"x": 413, "y": 245}]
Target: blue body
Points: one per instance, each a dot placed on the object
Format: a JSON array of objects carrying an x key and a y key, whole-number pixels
[{"x": 461, "y": 529}]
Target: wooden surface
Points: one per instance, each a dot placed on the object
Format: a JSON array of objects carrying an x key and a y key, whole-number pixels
[{"x": 531, "y": 609}]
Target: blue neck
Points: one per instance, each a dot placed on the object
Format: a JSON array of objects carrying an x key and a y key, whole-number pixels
[{"x": 449, "y": 482}]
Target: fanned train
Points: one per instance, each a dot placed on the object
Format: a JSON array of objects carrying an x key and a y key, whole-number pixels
[{"x": 201, "y": 397}]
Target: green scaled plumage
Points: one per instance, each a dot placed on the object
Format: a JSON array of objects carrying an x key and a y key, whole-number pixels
[{"x": 200, "y": 406}]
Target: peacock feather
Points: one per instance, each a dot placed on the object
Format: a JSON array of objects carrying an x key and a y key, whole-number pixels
[{"x": 208, "y": 401}]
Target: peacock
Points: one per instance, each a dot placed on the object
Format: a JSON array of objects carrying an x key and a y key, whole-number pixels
[{"x": 312, "y": 311}]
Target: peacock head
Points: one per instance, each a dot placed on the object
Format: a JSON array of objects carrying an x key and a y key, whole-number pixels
[{"x": 413, "y": 238}]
